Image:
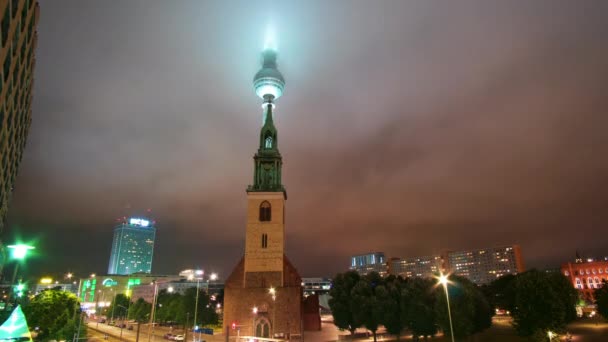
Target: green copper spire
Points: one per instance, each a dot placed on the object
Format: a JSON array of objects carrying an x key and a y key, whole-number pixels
[{"x": 268, "y": 84}]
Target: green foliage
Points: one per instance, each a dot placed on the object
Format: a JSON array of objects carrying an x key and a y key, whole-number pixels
[
  {"x": 601, "y": 299},
  {"x": 392, "y": 317},
  {"x": 501, "y": 292},
  {"x": 177, "y": 307},
  {"x": 341, "y": 303},
  {"x": 118, "y": 307},
  {"x": 369, "y": 296},
  {"x": 56, "y": 313},
  {"x": 471, "y": 312},
  {"x": 415, "y": 303},
  {"x": 542, "y": 302},
  {"x": 418, "y": 306},
  {"x": 206, "y": 312},
  {"x": 140, "y": 310}
]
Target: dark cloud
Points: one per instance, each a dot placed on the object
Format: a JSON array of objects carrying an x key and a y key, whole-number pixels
[{"x": 405, "y": 127}]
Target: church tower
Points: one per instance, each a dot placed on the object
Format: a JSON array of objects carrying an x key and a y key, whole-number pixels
[
  {"x": 263, "y": 295},
  {"x": 265, "y": 234}
]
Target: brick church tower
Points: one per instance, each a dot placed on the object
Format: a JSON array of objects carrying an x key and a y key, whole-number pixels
[{"x": 263, "y": 295}]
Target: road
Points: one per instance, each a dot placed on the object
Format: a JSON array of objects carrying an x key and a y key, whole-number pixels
[{"x": 156, "y": 336}]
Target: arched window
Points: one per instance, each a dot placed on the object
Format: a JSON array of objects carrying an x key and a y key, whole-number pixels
[
  {"x": 268, "y": 142},
  {"x": 265, "y": 212}
]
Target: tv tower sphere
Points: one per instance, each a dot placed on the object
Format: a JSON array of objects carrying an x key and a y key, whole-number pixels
[{"x": 269, "y": 82}]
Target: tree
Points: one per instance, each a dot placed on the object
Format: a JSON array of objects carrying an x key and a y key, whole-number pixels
[
  {"x": 140, "y": 310},
  {"x": 55, "y": 313},
  {"x": 368, "y": 297},
  {"x": 601, "y": 299},
  {"x": 501, "y": 292},
  {"x": 542, "y": 302},
  {"x": 418, "y": 306},
  {"x": 206, "y": 312},
  {"x": 471, "y": 312},
  {"x": 341, "y": 304},
  {"x": 118, "y": 306},
  {"x": 392, "y": 318}
]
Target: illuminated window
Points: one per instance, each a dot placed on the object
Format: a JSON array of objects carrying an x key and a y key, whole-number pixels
[
  {"x": 566, "y": 273},
  {"x": 265, "y": 212},
  {"x": 268, "y": 143}
]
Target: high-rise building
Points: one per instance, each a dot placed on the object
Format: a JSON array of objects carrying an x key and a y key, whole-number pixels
[
  {"x": 371, "y": 262},
  {"x": 132, "y": 247},
  {"x": 18, "y": 21},
  {"x": 425, "y": 266},
  {"x": 482, "y": 266},
  {"x": 263, "y": 295}
]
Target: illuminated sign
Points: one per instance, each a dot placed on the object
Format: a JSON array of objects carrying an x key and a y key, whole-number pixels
[
  {"x": 132, "y": 282},
  {"x": 139, "y": 222},
  {"x": 46, "y": 281},
  {"x": 109, "y": 282}
]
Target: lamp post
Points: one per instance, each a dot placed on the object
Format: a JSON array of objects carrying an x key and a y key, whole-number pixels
[
  {"x": 443, "y": 280},
  {"x": 153, "y": 311},
  {"x": 273, "y": 293},
  {"x": 198, "y": 274},
  {"x": 255, "y": 312},
  {"x": 123, "y": 323},
  {"x": 18, "y": 253}
]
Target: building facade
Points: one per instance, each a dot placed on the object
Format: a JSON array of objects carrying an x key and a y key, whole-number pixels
[
  {"x": 482, "y": 266},
  {"x": 132, "y": 247},
  {"x": 316, "y": 286},
  {"x": 370, "y": 262},
  {"x": 18, "y": 22},
  {"x": 586, "y": 275},
  {"x": 98, "y": 291},
  {"x": 263, "y": 296},
  {"x": 425, "y": 266}
]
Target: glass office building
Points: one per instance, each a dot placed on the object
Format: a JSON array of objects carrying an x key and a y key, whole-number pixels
[
  {"x": 367, "y": 263},
  {"x": 132, "y": 247}
]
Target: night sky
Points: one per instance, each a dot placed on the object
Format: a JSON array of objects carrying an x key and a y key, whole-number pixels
[{"x": 405, "y": 127}]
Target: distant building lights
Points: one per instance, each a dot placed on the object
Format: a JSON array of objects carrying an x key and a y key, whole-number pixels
[{"x": 139, "y": 222}]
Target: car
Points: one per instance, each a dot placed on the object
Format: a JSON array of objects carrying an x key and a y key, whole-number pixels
[
  {"x": 178, "y": 338},
  {"x": 169, "y": 336},
  {"x": 130, "y": 327}
]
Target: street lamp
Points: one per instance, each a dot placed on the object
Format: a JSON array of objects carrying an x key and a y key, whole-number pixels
[
  {"x": 273, "y": 294},
  {"x": 18, "y": 253},
  {"x": 255, "y": 312},
  {"x": 443, "y": 280},
  {"x": 198, "y": 274},
  {"x": 153, "y": 310}
]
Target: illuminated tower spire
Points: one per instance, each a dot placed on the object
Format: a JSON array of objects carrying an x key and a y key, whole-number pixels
[{"x": 268, "y": 84}]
